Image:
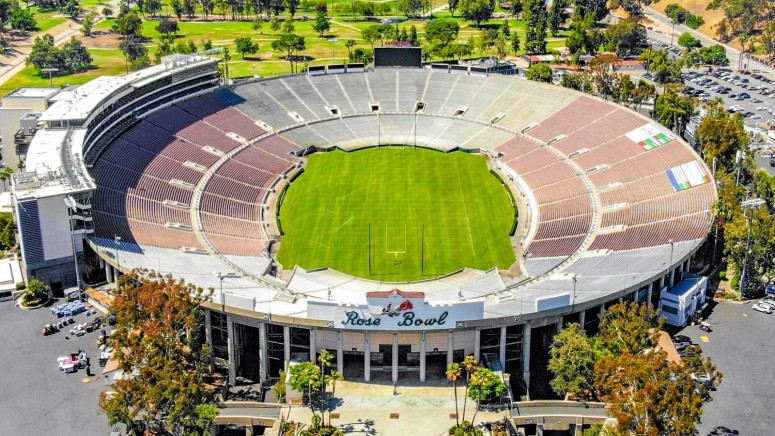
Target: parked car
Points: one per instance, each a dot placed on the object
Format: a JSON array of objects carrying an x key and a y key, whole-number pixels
[
  {"x": 680, "y": 346},
  {"x": 681, "y": 338},
  {"x": 763, "y": 308},
  {"x": 769, "y": 303}
]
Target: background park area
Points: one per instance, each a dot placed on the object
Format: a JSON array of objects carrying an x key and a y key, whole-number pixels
[{"x": 120, "y": 37}]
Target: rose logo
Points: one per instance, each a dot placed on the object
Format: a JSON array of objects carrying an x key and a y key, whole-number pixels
[{"x": 406, "y": 305}]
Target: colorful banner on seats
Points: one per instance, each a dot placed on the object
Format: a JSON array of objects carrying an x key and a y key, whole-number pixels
[
  {"x": 650, "y": 136},
  {"x": 688, "y": 176}
]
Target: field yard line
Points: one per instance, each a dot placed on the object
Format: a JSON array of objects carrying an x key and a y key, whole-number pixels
[
  {"x": 344, "y": 223},
  {"x": 465, "y": 209}
]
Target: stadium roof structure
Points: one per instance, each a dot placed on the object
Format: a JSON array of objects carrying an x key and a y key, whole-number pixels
[{"x": 613, "y": 200}]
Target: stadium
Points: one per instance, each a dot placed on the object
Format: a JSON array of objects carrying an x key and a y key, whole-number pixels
[{"x": 500, "y": 210}]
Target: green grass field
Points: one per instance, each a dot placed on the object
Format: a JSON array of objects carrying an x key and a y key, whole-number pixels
[{"x": 396, "y": 214}]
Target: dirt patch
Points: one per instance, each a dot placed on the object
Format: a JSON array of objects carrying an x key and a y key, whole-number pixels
[
  {"x": 100, "y": 40},
  {"x": 696, "y": 7}
]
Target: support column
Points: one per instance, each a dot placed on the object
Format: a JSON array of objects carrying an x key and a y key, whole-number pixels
[
  {"x": 340, "y": 352},
  {"x": 312, "y": 348},
  {"x": 672, "y": 277},
  {"x": 649, "y": 293},
  {"x": 602, "y": 311},
  {"x": 109, "y": 272},
  {"x": 287, "y": 345},
  {"x": 101, "y": 262},
  {"x": 502, "y": 349},
  {"x": 526, "y": 357},
  {"x": 661, "y": 283},
  {"x": 558, "y": 325},
  {"x": 450, "y": 354},
  {"x": 687, "y": 264},
  {"x": 423, "y": 348},
  {"x": 582, "y": 318},
  {"x": 367, "y": 357},
  {"x": 209, "y": 333},
  {"x": 230, "y": 347},
  {"x": 477, "y": 343},
  {"x": 394, "y": 358},
  {"x": 262, "y": 354}
]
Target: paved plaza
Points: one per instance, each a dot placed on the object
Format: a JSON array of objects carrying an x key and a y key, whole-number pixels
[
  {"x": 37, "y": 397},
  {"x": 741, "y": 347},
  {"x": 423, "y": 409}
]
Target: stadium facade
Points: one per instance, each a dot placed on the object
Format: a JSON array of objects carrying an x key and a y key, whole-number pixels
[{"x": 166, "y": 169}]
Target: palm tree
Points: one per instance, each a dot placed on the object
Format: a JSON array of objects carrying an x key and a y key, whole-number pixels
[
  {"x": 453, "y": 373},
  {"x": 333, "y": 378},
  {"x": 470, "y": 365},
  {"x": 325, "y": 361}
]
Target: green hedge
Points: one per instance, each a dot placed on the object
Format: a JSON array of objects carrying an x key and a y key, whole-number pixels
[
  {"x": 282, "y": 198},
  {"x": 513, "y": 202}
]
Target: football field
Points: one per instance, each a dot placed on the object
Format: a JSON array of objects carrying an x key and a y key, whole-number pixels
[{"x": 396, "y": 214}]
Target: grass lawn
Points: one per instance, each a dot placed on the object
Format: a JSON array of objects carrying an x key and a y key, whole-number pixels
[
  {"x": 111, "y": 62},
  {"x": 396, "y": 214}
]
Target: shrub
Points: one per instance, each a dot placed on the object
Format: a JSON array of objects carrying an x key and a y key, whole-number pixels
[
  {"x": 694, "y": 21},
  {"x": 722, "y": 275},
  {"x": 21, "y": 286}
]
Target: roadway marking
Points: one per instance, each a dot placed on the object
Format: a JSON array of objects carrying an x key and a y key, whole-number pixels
[{"x": 704, "y": 339}]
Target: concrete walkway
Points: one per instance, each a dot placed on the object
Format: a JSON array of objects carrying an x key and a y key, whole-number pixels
[{"x": 422, "y": 409}]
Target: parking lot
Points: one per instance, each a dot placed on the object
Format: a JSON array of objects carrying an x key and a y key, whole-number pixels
[
  {"x": 740, "y": 345},
  {"x": 37, "y": 397}
]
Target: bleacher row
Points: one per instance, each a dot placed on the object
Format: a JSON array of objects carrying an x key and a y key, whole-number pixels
[
  {"x": 147, "y": 177},
  {"x": 576, "y": 158}
]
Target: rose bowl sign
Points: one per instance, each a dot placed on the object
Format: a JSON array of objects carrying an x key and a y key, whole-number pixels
[{"x": 396, "y": 310}]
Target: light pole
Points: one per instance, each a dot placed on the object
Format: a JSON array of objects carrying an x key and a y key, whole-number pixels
[
  {"x": 221, "y": 276},
  {"x": 50, "y": 71},
  {"x": 333, "y": 46},
  {"x": 71, "y": 207},
  {"x": 117, "y": 241},
  {"x": 670, "y": 265},
  {"x": 748, "y": 205},
  {"x": 575, "y": 279}
]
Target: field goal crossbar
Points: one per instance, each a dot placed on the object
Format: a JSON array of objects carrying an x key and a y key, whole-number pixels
[{"x": 395, "y": 253}]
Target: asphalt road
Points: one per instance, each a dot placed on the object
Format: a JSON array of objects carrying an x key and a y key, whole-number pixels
[
  {"x": 37, "y": 398},
  {"x": 741, "y": 347}
]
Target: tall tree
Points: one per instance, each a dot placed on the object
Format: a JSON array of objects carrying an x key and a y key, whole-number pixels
[
  {"x": 557, "y": 16},
  {"x": 453, "y": 373},
  {"x": 536, "y": 18},
  {"x": 603, "y": 69},
  {"x": 245, "y": 45},
  {"x": 572, "y": 360},
  {"x": 596, "y": 9},
  {"x": 477, "y": 11},
  {"x": 484, "y": 384},
  {"x": 321, "y": 24},
  {"x": 291, "y": 44},
  {"x": 629, "y": 328},
  {"x": 469, "y": 364},
  {"x": 440, "y": 32},
  {"x": 674, "y": 109},
  {"x": 634, "y": 8},
  {"x": 162, "y": 348},
  {"x": 649, "y": 396}
]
